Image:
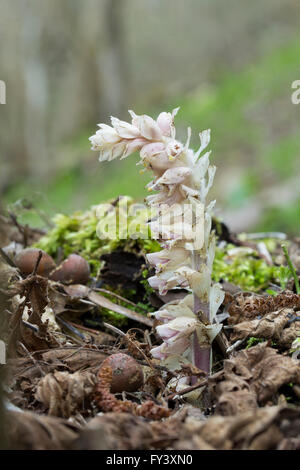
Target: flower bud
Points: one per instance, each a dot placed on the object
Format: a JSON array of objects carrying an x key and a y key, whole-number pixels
[{"x": 165, "y": 122}]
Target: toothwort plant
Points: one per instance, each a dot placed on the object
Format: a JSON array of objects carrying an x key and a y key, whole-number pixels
[{"x": 182, "y": 225}]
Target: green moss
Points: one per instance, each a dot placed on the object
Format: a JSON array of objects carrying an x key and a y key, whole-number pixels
[
  {"x": 247, "y": 271},
  {"x": 113, "y": 318},
  {"x": 253, "y": 341},
  {"x": 79, "y": 233}
]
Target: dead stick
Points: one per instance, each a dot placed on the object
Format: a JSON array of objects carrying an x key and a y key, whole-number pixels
[
  {"x": 187, "y": 390},
  {"x": 7, "y": 259}
]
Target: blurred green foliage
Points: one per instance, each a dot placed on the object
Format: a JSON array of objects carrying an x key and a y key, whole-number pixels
[{"x": 254, "y": 129}]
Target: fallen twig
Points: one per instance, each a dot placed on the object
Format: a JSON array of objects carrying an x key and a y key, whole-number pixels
[{"x": 187, "y": 390}]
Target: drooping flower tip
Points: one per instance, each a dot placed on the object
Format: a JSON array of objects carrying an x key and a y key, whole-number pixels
[{"x": 123, "y": 138}]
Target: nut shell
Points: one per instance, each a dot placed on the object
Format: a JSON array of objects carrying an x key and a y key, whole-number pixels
[
  {"x": 27, "y": 258},
  {"x": 73, "y": 270},
  {"x": 127, "y": 374}
]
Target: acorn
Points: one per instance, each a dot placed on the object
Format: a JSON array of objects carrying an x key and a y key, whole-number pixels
[
  {"x": 127, "y": 374},
  {"x": 73, "y": 270},
  {"x": 27, "y": 258}
]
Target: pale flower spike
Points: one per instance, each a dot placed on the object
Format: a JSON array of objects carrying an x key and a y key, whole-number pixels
[{"x": 182, "y": 178}]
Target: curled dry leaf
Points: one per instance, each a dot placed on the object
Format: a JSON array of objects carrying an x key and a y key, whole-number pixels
[
  {"x": 119, "y": 431},
  {"x": 251, "y": 378},
  {"x": 30, "y": 431},
  {"x": 70, "y": 359},
  {"x": 247, "y": 307},
  {"x": 24, "y": 373},
  {"x": 282, "y": 326},
  {"x": 125, "y": 431},
  {"x": 269, "y": 428},
  {"x": 65, "y": 394},
  {"x": 33, "y": 300}
]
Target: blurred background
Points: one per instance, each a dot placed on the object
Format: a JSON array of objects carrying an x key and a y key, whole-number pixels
[{"x": 70, "y": 64}]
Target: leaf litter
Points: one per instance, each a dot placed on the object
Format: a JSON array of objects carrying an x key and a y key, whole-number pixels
[{"x": 59, "y": 334}]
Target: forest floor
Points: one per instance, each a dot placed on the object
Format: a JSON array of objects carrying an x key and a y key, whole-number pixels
[{"x": 65, "y": 321}]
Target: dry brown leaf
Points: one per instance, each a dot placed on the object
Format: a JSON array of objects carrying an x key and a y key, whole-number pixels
[
  {"x": 30, "y": 431},
  {"x": 124, "y": 431},
  {"x": 262, "y": 429},
  {"x": 23, "y": 374},
  {"x": 65, "y": 394},
  {"x": 60, "y": 300},
  {"x": 113, "y": 431},
  {"x": 74, "y": 358},
  {"x": 70, "y": 359},
  {"x": 251, "y": 378},
  {"x": 282, "y": 326},
  {"x": 245, "y": 306},
  {"x": 33, "y": 292}
]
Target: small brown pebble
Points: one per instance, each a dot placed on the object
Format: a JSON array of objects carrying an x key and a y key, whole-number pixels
[
  {"x": 127, "y": 374},
  {"x": 73, "y": 270},
  {"x": 27, "y": 258}
]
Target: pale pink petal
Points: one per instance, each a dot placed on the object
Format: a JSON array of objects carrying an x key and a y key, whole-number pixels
[
  {"x": 165, "y": 332},
  {"x": 148, "y": 128},
  {"x": 155, "y": 282},
  {"x": 179, "y": 346},
  {"x": 165, "y": 122},
  {"x": 163, "y": 315},
  {"x": 158, "y": 352},
  {"x": 152, "y": 150},
  {"x": 108, "y": 133},
  {"x": 154, "y": 155},
  {"x": 175, "y": 175},
  {"x": 124, "y": 129},
  {"x": 155, "y": 258},
  {"x": 133, "y": 146}
]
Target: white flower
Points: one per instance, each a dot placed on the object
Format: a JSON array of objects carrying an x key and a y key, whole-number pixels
[
  {"x": 182, "y": 224},
  {"x": 165, "y": 123},
  {"x": 125, "y": 130},
  {"x": 174, "y": 149},
  {"x": 147, "y": 126}
]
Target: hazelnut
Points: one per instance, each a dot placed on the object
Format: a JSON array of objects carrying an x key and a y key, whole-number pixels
[
  {"x": 73, "y": 270},
  {"x": 27, "y": 258},
  {"x": 127, "y": 374}
]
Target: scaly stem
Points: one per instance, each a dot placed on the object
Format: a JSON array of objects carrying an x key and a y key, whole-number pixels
[{"x": 201, "y": 357}]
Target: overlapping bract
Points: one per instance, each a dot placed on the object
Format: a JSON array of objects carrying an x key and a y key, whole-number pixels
[{"x": 182, "y": 180}]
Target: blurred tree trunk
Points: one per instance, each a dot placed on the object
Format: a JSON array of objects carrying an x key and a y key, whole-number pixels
[{"x": 114, "y": 63}]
